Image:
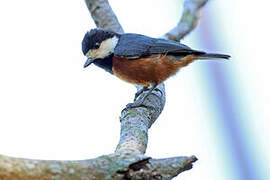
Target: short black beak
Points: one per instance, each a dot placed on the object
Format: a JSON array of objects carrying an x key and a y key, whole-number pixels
[{"x": 88, "y": 62}]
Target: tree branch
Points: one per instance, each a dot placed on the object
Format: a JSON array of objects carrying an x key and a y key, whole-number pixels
[
  {"x": 115, "y": 166},
  {"x": 128, "y": 161},
  {"x": 135, "y": 122},
  {"x": 188, "y": 20},
  {"x": 103, "y": 15}
]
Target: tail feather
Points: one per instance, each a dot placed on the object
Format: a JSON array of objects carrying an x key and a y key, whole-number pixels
[{"x": 214, "y": 56}]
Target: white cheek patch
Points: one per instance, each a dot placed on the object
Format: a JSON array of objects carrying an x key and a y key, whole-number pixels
[
  {"x": 106, "y": 48},
  {"x": 92, "y": 53},
  {"x": 89, "y": 54}
]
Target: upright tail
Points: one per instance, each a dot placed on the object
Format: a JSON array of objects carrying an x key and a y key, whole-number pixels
[{"x": 213, "y": 56}]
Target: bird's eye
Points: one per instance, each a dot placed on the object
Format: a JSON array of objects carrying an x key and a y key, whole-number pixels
[{"x": 96, "y": 45}]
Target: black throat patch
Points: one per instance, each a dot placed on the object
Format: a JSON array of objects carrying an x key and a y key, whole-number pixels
[{"x": 105, "y": 64}]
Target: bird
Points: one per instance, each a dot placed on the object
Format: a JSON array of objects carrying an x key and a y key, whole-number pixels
[{"x": 138, "y": 59}]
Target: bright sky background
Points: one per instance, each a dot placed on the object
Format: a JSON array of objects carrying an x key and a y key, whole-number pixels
[{"x": 52, "y": 108}]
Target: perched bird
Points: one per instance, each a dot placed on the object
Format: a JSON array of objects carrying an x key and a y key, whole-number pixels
[{"x": 139, "y": 59}]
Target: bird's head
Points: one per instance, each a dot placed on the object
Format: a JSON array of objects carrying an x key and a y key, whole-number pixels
[{"x": 98, "y": 44}]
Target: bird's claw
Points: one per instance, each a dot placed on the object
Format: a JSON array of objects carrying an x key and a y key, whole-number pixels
[
  {"x": 137, "y": 103},
  {"x": 138, "y": 93}
]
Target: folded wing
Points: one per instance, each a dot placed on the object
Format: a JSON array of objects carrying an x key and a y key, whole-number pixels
[{"x": 134, "y": 46}]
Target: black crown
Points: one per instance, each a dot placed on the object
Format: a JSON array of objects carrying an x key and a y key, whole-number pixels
[{"x": 94, "y": 36}]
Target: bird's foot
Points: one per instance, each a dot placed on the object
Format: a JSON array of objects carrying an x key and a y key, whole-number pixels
[
  {"x": 140, "y": 102},
  {"x": 138, "y": 93},
  {"x": 137, "y": 103}
]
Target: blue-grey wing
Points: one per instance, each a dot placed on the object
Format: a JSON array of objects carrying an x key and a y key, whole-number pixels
[{"x": 133, "y": 46}]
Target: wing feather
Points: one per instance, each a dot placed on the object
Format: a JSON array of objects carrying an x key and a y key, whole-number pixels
[{"x": 133, "y": 46}]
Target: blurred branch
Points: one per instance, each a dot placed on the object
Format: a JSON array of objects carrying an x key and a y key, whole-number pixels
[
  {"x": 128, "y": 161},
  {"x": 188, "y": 20},
  {"x": 103, "y": 15}
]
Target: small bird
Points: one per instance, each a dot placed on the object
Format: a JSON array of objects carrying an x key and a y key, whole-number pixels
[{"x": 139, "y": 59}]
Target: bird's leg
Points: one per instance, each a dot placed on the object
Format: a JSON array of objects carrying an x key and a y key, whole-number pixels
[
  {"x": 138, "y": 93},
  {"x": 154, "y": 85},
  {"x": 140, "y": 102}
]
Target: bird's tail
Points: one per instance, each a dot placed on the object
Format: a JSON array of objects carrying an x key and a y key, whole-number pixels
[{"x": 213, "y": 56}]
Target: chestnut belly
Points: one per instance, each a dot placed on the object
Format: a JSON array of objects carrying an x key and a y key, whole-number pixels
[{"x": 145, "y": 71}]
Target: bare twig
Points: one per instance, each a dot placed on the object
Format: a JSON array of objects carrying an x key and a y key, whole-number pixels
[
  {"x": 188, "y": 20},
  {"x": 128, "y": 161},
  {"x": 103, "y": 15}
]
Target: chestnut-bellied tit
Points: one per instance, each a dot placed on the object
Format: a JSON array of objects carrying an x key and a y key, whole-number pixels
[{"x": 139, "y": 59}]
